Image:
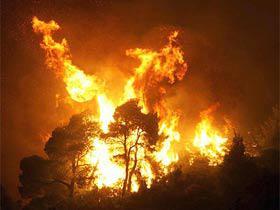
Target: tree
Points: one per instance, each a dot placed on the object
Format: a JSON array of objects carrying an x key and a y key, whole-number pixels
[
  {"x": 35, "y": 176},
  {"x": 238, "y": 172},
  {"x": 132, "y": 130},
  {"x": 68, "y": 147},
  {"x": 267, "y": 136},
  {"x": 237, "y": 152},
  {"x": 65, "y": 166}
]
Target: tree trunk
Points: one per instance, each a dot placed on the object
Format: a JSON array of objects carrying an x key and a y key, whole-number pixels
[
  {"x": 126, "y": 177},
  {"x": 73, "y": 180},
  {"x": 72, "y": 187},
  {"x": 132, "y": 171},
  {"x": 126, "y": 159}
]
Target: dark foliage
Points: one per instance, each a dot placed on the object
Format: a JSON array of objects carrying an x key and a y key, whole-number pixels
[
  {"x": 241, "y": 182},
  {"x": 132, "y": 130},
  {"x": 49, "y": 181}
]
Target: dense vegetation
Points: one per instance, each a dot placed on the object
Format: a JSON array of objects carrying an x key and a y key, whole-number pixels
[{"x": 241, "y": 182}]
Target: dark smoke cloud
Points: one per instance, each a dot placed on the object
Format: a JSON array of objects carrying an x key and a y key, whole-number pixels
[{"x": 231, "y": 48}]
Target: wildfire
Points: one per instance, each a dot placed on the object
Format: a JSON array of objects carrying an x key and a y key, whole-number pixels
[
  {"x": 108, "y": 173},
  {"x": 81, "y": 87},
  {"x": 166, "y": 154},
  {"x": 149, "y": 82},
  {"x": 149, "y": 86},
  {"x": 106, "y": 111},
  {"x": 208, "y": 140}
]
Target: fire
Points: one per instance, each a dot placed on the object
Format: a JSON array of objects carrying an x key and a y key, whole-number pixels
[
  {"x": 166, "y": 155},
  {"x": 208, "y": 140},
  {"x": 106, "y": 111},
  {"x": 108, "y": 172},
  {"x": 149, "y": 84},
  {"x": 155, "y": 67},
  {"x": 81, "y": 87}
]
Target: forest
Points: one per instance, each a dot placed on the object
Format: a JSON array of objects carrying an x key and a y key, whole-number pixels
[
  {"x": 62, "y": 180},
  {"x": 140, "y": 105}
]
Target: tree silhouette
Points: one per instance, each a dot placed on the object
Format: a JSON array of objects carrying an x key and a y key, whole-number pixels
[
  {"x": 132, "y": 130},
  {"x": 237, "y": 151},
  {"x": 240, "y": 182},
  {"x": 65, "y": 166},
  {"x": 237, "y": 173},
  {"x": 267, "y": 136},
  {"x": 68, "y": 146}
]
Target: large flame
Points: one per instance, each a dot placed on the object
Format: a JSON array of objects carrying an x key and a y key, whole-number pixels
[
  {"x": 210, "y": 143},
  {"x": 108, "y": 173},
  {"x": 149, "y": 83},
  {"x": 81, "y": 87},
  {"x": 106, "y": 111},
  {"x": 157, "y": 70}
]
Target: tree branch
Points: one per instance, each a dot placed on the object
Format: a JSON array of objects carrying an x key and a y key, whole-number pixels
[{"x": 56, "y": 181}]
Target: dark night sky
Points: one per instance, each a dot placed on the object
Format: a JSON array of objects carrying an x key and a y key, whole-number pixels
[{"x": 231, "y": 48}]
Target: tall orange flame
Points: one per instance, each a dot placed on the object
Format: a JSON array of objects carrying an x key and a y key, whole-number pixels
[
  {"x": 81, "y": 87},
  {"x": 149, "y": 83},
  {"x": 208, "y": 140}
]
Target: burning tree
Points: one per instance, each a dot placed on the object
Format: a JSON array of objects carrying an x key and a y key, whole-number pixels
[
  {"x": 69, "y": 145},
  {"x": 120, "y": 150},
  {"x": 133, "y": 131},
  {"x": 129, "y": 153},
  {"x": 66, "y": 150}
]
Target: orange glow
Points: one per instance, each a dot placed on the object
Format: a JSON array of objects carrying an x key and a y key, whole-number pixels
[
  {"x": 149, "y": 83},
  {"x": 81, "y": 87},
  {"x": 106, "y": 111},
  {"x": 108, "y": 173},
  {"x": 210, "y": 143},
  {"x": 155, "y": 67}
]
